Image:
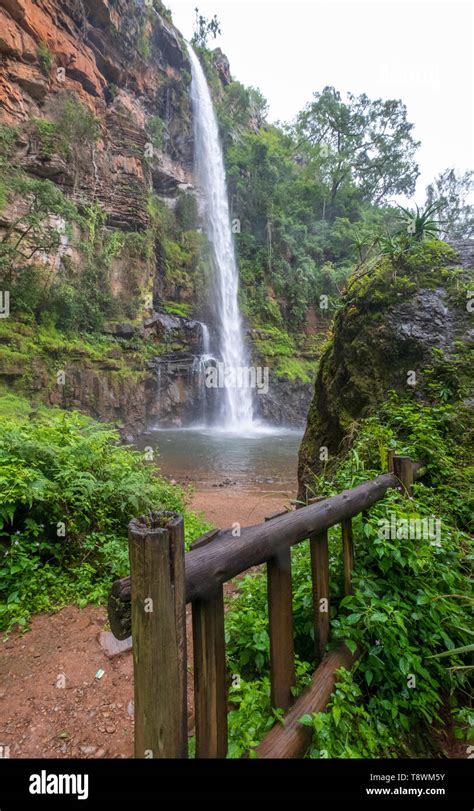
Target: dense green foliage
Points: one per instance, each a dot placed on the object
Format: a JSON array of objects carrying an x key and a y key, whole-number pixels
[
  {"x": 411, "y": 611},
  {"x": 68, "y": 491},
  {"x": 290, "y": 252},
  {"x": 308, "y": 201}
]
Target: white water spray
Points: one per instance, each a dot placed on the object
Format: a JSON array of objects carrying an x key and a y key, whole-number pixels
[
  {"x": 205, "y": 339},
  {"x": 237, "y": 411}
]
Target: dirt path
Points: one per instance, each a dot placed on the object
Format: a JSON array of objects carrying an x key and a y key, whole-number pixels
[
  {"x": 87, "y": 717},
  {"x": 51, "y": 702}
]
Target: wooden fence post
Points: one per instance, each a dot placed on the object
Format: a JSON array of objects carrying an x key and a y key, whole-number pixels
[
  {"x": 156, "y": 548},
  {"x": 210, "y": 689},
  {"x": 403, "y": 470},
  {"x": 280, "y": 621},
  {"x": 347, "y": 554},
  {"x": 390, "y": 458},
  {"x": 321, "y": 603}
]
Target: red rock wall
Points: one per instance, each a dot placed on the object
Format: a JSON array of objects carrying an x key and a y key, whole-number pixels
[{"x": 94, "y": 48}]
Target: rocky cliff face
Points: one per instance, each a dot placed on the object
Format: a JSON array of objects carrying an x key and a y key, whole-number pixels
[
  {"x": 286, "y": 403},
  {"x": 117, "y": 378},
  {"x": 127, "y": 63},
  {"x": 404, "y": 326}
]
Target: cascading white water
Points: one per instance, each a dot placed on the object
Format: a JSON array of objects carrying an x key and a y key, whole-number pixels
[
  {"x": 205, "y": 338},
  {"x": 237, "y": 411}
]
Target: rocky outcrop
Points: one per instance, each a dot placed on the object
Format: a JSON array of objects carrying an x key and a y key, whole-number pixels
[
  {"x": 399, "y": 323},
  {"x": 112, "y": 380},
  {"x": 181, "y": 396},
  {"x": 123, "y": 60},
  {"x": 286, "y": 403},
  {"x": 107, "y": 395},
  {"x": 221, "y": 64},
  {"x": 174, "y": 330}
]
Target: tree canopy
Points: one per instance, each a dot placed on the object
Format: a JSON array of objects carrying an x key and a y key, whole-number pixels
[{"x": 367, "y": 142}]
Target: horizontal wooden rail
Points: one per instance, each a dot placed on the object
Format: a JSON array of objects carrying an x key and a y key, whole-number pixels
[
  {"x": 291, "y": 739},
  {"x": 211, "y": 565}
]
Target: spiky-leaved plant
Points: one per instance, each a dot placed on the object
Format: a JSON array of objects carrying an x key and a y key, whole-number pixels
[{"x": 420, "y": 223}]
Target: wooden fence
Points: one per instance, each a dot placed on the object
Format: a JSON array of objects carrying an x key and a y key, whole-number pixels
[{"x": 165, "y": 579}]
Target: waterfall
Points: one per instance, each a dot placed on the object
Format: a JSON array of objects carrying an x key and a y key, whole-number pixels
[
  {"x": 205, "y": 339},
  {"x": 237, "y": 402}
]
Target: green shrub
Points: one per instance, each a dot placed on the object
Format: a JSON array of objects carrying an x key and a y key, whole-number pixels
[
  {"x": 144, "y": 41},
  {"x": 68, "y": 491},
  {"x": 154, "y": 127},
  {"x": 186, "y": 211},
  {"x": 45, "y": 57},
  {"x": 47, "y": 134}
]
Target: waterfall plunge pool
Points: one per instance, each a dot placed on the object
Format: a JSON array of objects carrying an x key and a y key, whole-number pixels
[{"x": 264, "y": 459}]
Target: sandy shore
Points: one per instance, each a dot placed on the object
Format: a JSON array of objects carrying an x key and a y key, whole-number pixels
[{"x": 223, "y": 506}]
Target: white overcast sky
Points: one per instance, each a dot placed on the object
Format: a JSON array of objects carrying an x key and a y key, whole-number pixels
[{"x": 418, "y": 51}]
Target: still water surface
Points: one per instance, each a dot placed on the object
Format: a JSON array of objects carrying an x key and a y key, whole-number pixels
[{"x": 265, "y": 459}]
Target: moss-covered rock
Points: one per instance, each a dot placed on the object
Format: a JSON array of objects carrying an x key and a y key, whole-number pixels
[{"x": 403, "y": 325}]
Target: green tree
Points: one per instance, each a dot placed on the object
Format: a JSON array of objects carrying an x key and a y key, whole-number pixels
[
  {"x": 38, "y": 227},
  {"x": 78, "y": 130},
  {"x": 239, "y": 109},
  {"x": 451, "y": 192},
  {"x": 368, "y": 143},
  {"x": 204, "y": 28}
]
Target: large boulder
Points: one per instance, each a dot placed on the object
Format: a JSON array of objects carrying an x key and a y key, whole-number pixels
[{"x": 400, "y": 321}]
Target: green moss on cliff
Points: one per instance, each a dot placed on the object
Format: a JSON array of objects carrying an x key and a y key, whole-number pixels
[
  {"x": 32, "y": 355},
  {"x": 288, "y": 356}
]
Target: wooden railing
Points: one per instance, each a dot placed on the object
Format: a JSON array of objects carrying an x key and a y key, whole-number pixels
[{"x": 165, "y": 579}]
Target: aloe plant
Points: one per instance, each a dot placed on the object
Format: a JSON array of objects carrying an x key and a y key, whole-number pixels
[{"x": 420, "y": 223}]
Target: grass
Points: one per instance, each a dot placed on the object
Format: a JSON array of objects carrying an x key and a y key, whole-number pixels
[{"x": 177, "y": 308}]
